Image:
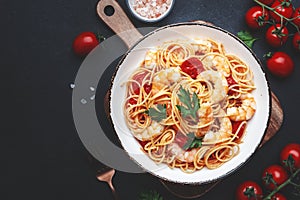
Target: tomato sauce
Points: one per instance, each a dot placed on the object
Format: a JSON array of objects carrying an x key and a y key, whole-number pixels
[{"x": 235, "y": 126}]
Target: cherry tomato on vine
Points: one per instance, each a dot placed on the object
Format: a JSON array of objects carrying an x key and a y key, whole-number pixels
[
  {"x": 256, "y": 17},
  {"x": 277, "y": 35},
  {"x": 192, "y": 66},
  {"x": 296, "y": 41},
  {"x": 84, "y": 43},
  {"x": 274, "y": 174},
  {"x": 280, "y": 64},
  {"x": 283, "y": 7},
  {"x": 292, "y": 149},
  {"x": 278, "y": 196},
  {"x": 266, "y": 2},
  {"x": 296, "y": 17},
  {"x": 248, "y": 190}
]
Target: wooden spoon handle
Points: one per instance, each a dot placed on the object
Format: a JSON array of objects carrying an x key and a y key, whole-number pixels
[{"x": 119, "y": 22}]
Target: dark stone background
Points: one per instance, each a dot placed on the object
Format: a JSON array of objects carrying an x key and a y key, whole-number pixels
[{"x": 42, "y": 156}]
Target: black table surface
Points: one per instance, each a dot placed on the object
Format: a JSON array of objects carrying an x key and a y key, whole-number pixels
[{"x": 42, "y": 156}]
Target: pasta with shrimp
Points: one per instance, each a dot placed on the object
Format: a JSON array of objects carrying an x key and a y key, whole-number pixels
[{"x": 188, "y": 104}]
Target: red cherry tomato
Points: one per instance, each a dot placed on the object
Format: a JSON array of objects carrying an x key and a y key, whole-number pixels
[
  {"x": 192, "y": 66},
  {"x": 280, "y": 64},
  {"x": 296, "y": 41},
  {"x": 84, "y": 43},
  {"x": 139, "y": 79},
  {"x": 132, "y": 101},
  {"x": 296, "y": 17},
  {"x": 256, "y": 17},
  {"x": 292, "y": 149},
  {"x": 248, "y": 190},
  {"x": 267, "y": 2},
  {"x": 278, "y": 196},
  {"x": 285, "y": 8},
  {"x": 277, "y": 173},
  {"x": 277, "y": 35}
]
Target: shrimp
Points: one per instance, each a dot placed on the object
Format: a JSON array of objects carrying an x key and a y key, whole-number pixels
[
  {"x": 223, "y": 131},
  {"x": 218, "y": 83},
  {"x": 150, "y": 59},
  {"x": 205, "y": 114},
  {"x": 221, "y": 65},
  {"x": 201, "y": 46},
  {"x": 244, "y": 109},
  {"x": 154, "y": 129},
  {"x": 217, "y": 63},
  {"x": 166, "y": 77},
  {"x": 175, "y": 151}
]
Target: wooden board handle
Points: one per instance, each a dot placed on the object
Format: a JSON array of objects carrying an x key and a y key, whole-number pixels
[{"x": 119, "y": 22}]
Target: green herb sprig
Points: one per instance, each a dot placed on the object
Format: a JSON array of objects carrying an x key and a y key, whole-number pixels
[
  {"x": 157, "y": 113},
  {"x": 190, "y": 104},
  {"x": 150, "y": 195},
  {"x": 192, "y": 142},
  {"x": 247, "y": 38}
]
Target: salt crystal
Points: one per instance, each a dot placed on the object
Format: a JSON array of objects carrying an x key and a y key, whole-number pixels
[
  {"x": 83, "y": 101},
  {"x": 92, "y": 89},
  {"x": 72, "y": 85},
  {"x": 151, "y": 8},
  {"x": 92, "y": 97}
]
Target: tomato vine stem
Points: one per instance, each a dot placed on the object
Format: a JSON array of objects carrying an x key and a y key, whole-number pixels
[
  {"x": 287, "y": 182},
  {"x": 289, "y": 20}
]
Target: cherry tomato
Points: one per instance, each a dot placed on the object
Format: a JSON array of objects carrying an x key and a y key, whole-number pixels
[
  {"x": 84, "y": 43},
  {"x": 296, "y": 17},
  {"x": 139, "y": 79},
  {"x": 296, "y": 41},
  {"x": 278, "y": 196},
  {"x": 132, "y": 101},
  {"x": 275, "y": 172},
  {"x": 283, "y": 7},
  {"x": 292, "y": 149},
  {"x": 280, "y": 64},
  {"x": 192, "y": 66},
  {"x": 256, "y": 17},
  {"x": 267, "y": 2},
  {"x": 277, "y": 35},
  {"x": 248, "y": 190}
]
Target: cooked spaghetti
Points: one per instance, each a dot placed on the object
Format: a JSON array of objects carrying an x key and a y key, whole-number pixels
[{"x": 188, "y": 104}]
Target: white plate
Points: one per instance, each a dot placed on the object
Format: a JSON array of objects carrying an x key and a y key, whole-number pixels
[{"x": 256, "y": 126}]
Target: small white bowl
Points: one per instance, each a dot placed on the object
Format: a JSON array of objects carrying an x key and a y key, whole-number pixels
[{"x": 130, "y": 4}]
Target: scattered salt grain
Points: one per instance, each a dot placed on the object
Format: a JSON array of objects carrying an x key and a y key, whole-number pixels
[
  {"x": 83, "y": 101},
  {"x": 92, "y": 89},
  {"x": 72, "y": 85},
  {"x": 92, "y": 97}
]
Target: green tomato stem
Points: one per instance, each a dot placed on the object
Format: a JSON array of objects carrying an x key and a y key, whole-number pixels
[
  {"x": 287, "y": 182},
  {"x": 281, "y": 16}
]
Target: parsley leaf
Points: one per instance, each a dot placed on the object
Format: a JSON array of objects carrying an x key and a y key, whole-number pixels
[
  {"x": 158, "y": 112},
  {"x": 151, "y": 195},
  {"x": 192, "y": 142},
  {"x": 190, "y": 105},
  {"x": 247, "y": 38}
]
